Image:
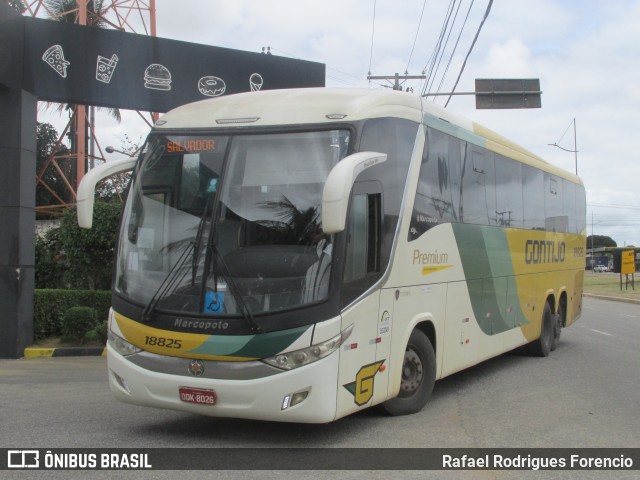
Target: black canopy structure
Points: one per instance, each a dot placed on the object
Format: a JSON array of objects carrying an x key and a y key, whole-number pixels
[{"x": 46, "y": 60}]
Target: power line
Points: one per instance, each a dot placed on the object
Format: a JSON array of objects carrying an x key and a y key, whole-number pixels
[
  {"x": 464, "y": 64},
  {"x": 610, "y": 205},
  {"x": 455, "y": 47},
  {"x": 373, "y": 32},
  {"x": 565, "y": 132},
  {"x": 445, "y": 45},
  {"x": 415, "y": 40},
  {"x": 337, "y": 79},
  {"x": 434, "y": 56}
]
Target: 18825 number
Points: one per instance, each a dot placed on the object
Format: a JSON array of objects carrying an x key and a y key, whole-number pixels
[{"x": 163, "y": 342}]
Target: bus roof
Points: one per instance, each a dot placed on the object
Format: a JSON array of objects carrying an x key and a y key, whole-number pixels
[
  {"x": 335, "y": 105},
  {"x": 296, "y": 106}
]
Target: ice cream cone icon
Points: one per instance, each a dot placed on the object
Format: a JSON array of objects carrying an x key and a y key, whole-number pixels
[
  {"x": 105, "y": 68},
  {"x": 255, "y": 81},
  {"x": 54, "y": 57}
]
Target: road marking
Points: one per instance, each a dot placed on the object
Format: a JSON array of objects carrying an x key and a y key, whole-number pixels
[
  {"x": 627, "y": 315},
  {"x": 603, "y": 333}
]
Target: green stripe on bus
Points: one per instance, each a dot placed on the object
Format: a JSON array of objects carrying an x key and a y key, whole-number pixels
[
  {"x": 488, "y": 269},
  {"x": 250, "y": 346}
]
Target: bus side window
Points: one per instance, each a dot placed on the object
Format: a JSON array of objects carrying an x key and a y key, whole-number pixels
[
  {"x": 569, "y": 205},
  {"x": 533, "y": 194},
  {"x": 555, "y": 219},
  {"x": 508, "y": 192},
  {"x": 479, "y": 191},
  {"x": 581, "y": 209},
  {"x": 433, "y": 202},
  {"x": 364, "y": 238}
]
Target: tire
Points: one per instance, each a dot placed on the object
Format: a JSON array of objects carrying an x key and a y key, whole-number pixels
[
  {"x": 557, "y": 327},
  {"x": 542, "y": 346},
  {"x": 418, "y": 377}
]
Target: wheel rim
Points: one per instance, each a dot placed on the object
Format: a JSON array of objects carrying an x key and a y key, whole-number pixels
[
  {"x": 548, "y": 329},
  {"x": 412, "y": 373}
]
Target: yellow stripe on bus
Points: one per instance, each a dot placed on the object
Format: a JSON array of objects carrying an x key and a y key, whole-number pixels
[{"x": 164, "y": 342}]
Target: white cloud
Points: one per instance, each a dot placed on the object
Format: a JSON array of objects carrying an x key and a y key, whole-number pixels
[
  {"x": 511, "y": 59},
  {"x": 586, "y": 55}
]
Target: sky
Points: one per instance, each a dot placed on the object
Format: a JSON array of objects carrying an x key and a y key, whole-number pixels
[{"x": 585, "y": 53}]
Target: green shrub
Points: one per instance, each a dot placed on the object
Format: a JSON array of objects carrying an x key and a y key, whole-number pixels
[
  {"x": 89, "y": 254},
  {"x": 51, "y": 305},
  {"x": 76, "y": 322},
  {"x": 97, "y": 334},
  {"x": 50, "y": 267}
]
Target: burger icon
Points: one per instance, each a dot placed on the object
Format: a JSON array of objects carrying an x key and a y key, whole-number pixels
[{"x": 157, "y": 77}]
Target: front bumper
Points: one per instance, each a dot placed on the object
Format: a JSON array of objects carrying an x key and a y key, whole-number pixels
[{"x": 239, "y": 394}]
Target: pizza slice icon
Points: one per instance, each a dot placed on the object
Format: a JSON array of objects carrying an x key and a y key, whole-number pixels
[{"x": 54, "y": 57}]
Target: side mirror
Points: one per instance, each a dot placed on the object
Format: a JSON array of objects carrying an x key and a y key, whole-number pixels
[
  {"x": 337, "y": 189},
  {"x": 87, "y": 188}
]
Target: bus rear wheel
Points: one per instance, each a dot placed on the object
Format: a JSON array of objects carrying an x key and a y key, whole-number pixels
[
  {"x": 542, "y": 346},
  {"x": 558, "y": 319},
  {"x": 418, "y": 376}
]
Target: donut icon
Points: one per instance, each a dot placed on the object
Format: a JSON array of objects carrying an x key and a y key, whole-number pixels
[{"x": 211, "y": 86}]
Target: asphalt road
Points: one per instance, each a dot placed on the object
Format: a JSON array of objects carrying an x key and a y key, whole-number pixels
[{"x": 585, "y": 394}]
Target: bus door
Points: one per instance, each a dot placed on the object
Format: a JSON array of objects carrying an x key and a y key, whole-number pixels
[{"x": 362, "y": 362}]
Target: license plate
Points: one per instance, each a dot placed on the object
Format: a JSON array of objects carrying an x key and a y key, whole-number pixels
[{"x": 198, "y": 396}]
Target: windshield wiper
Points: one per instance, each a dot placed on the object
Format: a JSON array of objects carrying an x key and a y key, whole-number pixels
[
  {"x": 169, "y": 283},
  {"x": 198, "y": 240},
  {"x": 233, "y": 287}
]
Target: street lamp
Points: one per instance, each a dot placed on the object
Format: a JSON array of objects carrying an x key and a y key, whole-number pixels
[
  {"x": 575, "y": 143},
  {"x": 110, "y": 149}
]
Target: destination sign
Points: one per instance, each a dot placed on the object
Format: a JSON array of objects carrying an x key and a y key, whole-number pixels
[{"x": 191, "y": 145}]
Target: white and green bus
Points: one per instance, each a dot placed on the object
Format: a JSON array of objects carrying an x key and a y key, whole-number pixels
[{"x": 300, "y": 255}]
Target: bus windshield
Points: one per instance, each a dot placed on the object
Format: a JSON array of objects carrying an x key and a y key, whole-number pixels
[{"x": 228, "y": 224}]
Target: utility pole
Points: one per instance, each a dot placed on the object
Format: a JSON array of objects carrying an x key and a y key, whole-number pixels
[{"x": 396, "y": 78}]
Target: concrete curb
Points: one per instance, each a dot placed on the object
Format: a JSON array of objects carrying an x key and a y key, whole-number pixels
[
  {"x": 613, "y": 299},
  {"x": 35, "y": 352}
]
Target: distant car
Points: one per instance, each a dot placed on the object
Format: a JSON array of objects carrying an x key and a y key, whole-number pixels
[{"x": 600, "y": 268}]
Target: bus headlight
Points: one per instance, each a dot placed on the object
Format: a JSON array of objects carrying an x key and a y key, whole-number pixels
[
  {"x": 305, "y": 356},
  {"x": 121, "y": 346}
]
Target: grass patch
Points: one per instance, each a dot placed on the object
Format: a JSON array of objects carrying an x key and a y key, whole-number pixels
[{"x": 609, "y": 284}]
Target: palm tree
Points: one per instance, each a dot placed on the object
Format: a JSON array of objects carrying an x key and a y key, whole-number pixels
[
  {"x": 295, "y": 226},
  {"x": 17, "y": 5}
]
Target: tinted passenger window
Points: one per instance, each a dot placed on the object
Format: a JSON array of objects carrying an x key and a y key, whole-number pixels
[
  {"x": 362, "y": 264},
  {"x": 581, "y": 209},
  {"x": 478, "y": 187},
  {"x": 533, "y": 198},
  {"x": 396, "y": 138},
  {"x": 569, "y": 199},
  {"x": 508, "y": 193},
  {"x": 433, "y": 203},
  {"x": 555, "y": 218},
  {"x": 457, "y": 151}
]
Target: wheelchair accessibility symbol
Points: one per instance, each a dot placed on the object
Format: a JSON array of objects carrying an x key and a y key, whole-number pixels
[{"x": 214, "y": 302}]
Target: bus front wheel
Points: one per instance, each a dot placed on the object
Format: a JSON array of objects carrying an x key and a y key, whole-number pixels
[{"x": 418, "y": 376}]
